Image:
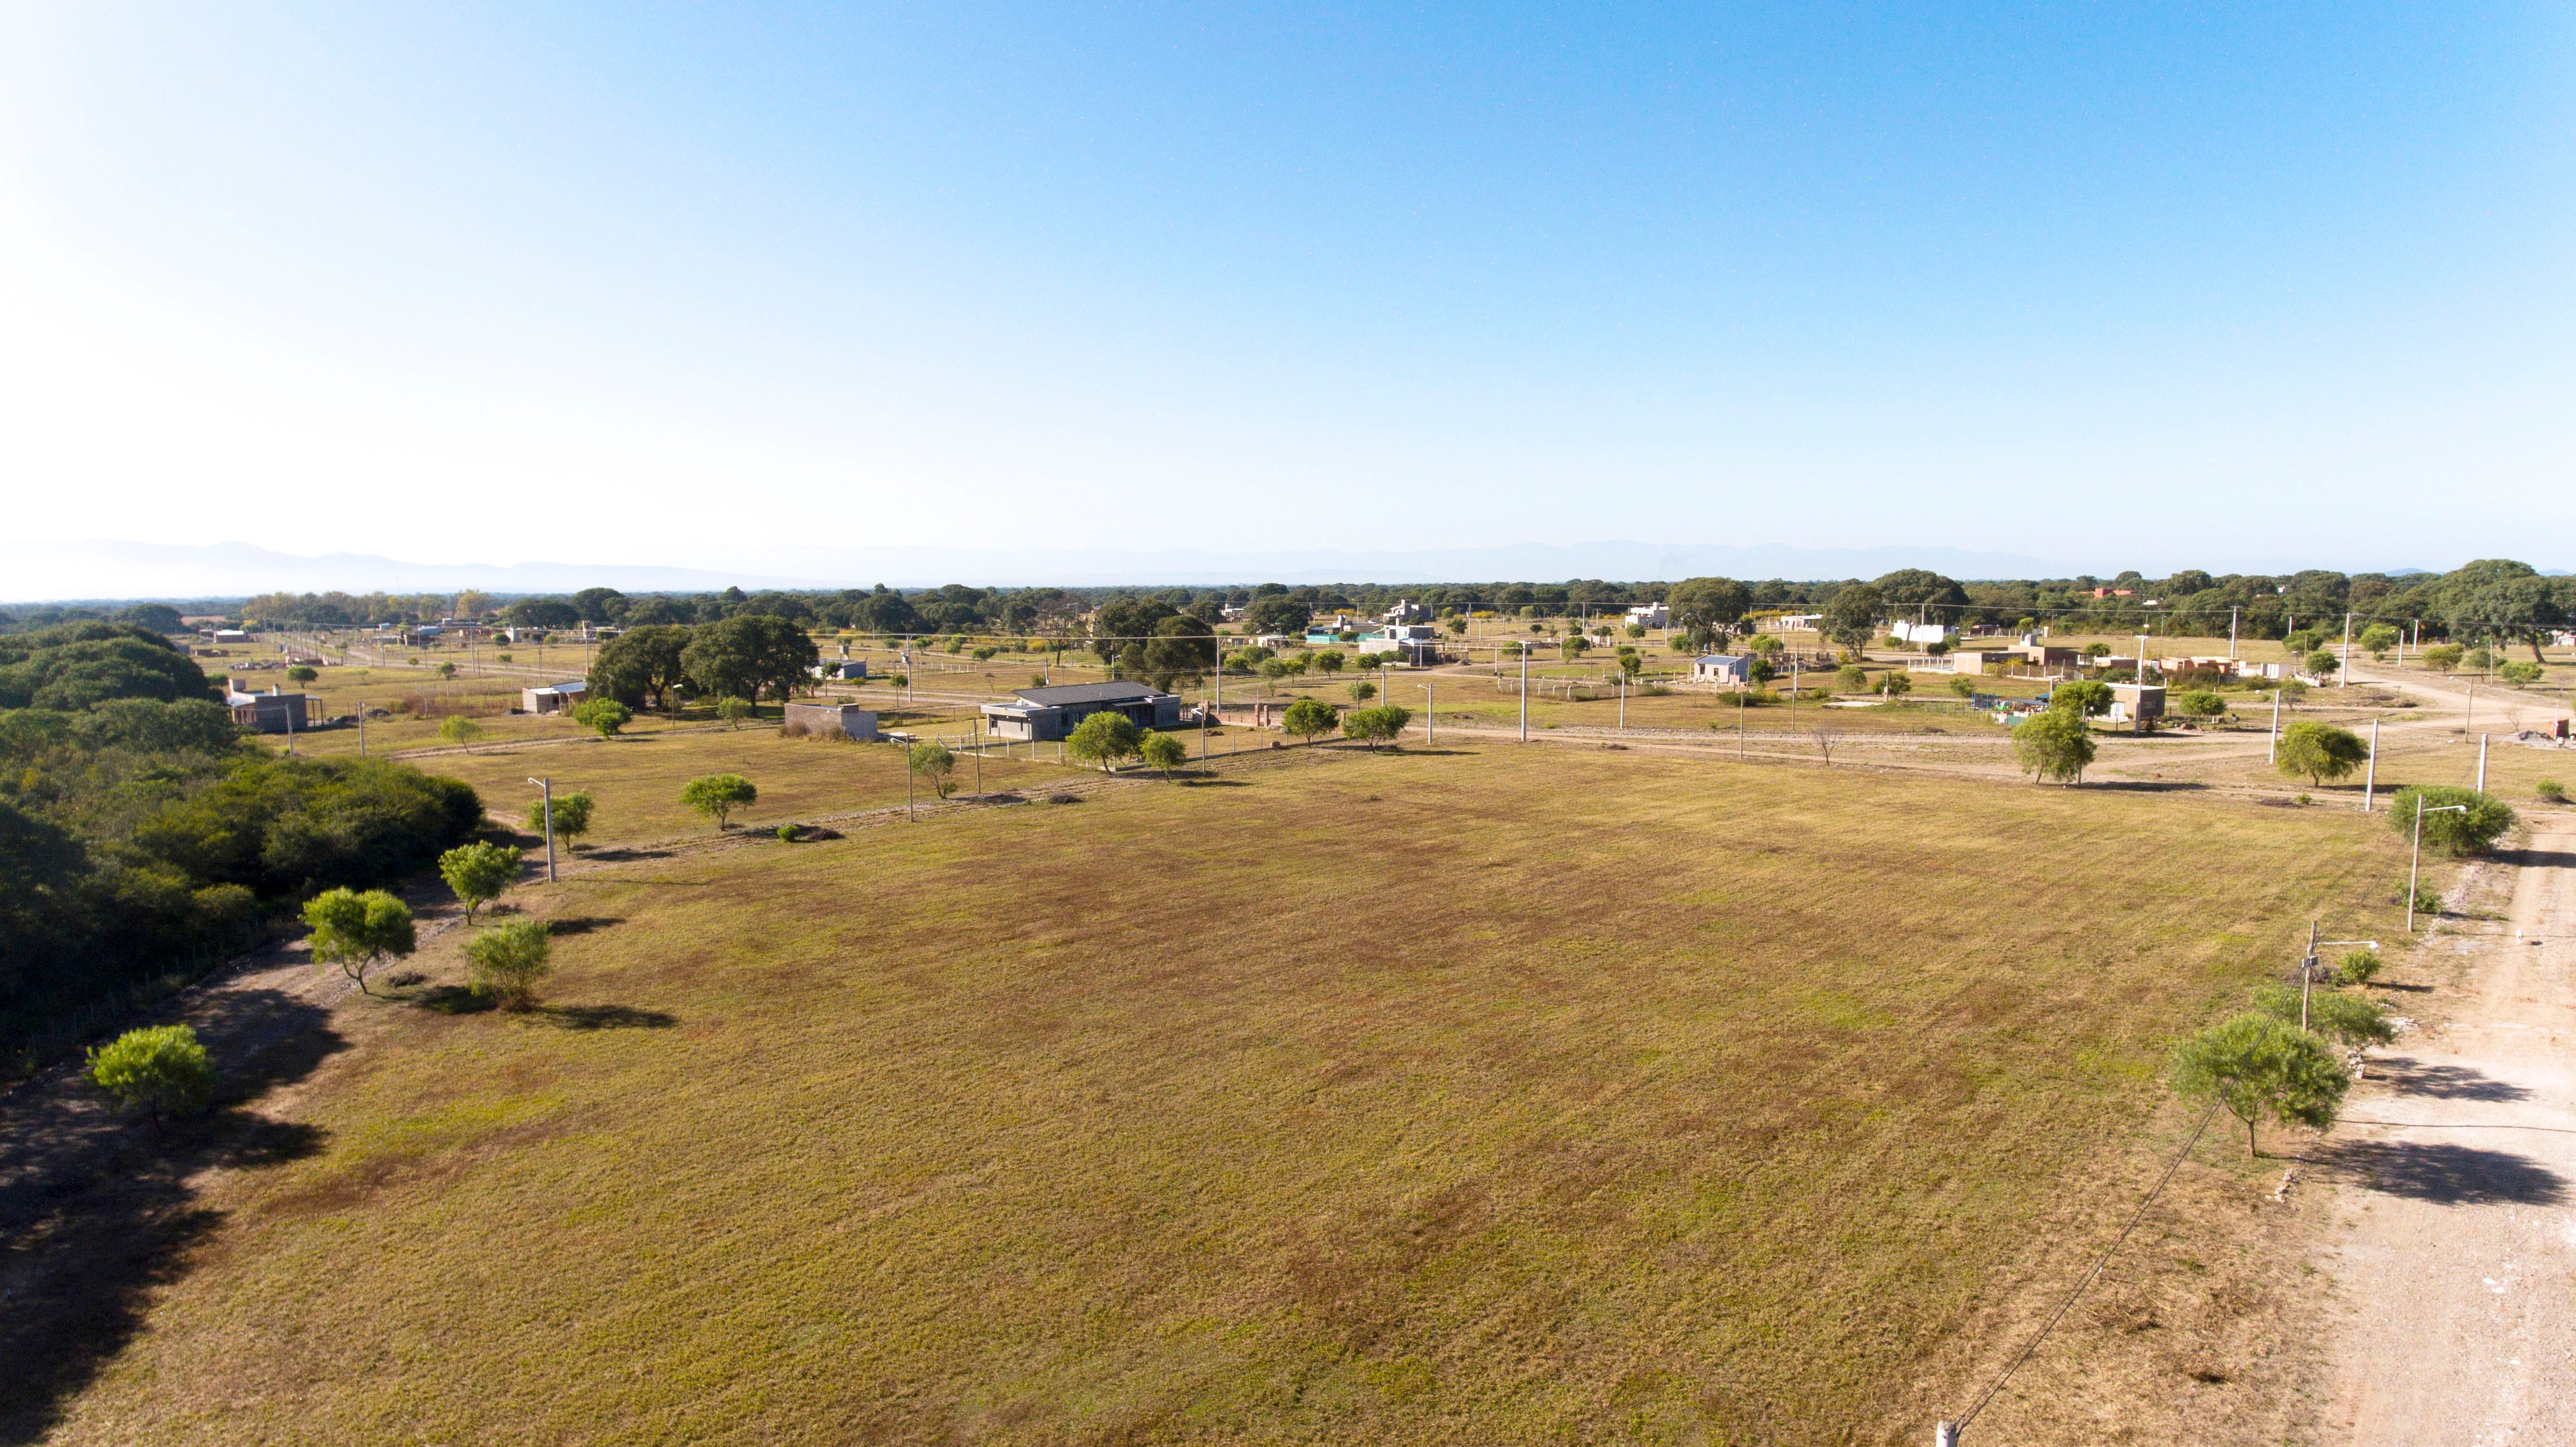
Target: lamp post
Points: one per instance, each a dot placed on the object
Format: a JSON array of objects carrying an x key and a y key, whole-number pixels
[
  {"x": 2415, "y": 864},
  {"x": 549, "y": 786}
]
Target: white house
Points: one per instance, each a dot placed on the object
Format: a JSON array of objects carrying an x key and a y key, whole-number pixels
[
  {"x": 1797, "y": 622},
  {"x": 1651, "y": 615},
  {"x": 1906, "y": 632},
  {"x": 1735, "y": 669}
]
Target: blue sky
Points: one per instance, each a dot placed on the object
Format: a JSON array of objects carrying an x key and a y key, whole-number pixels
[{"x": 2118, "y": 287}]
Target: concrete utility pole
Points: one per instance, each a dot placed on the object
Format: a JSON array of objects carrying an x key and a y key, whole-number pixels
[
  {"x": 548, "y": 785},
  {"x": 2482, "y": 763},
  {"x": 2273, "y": 754},
  {"x": 2231, "y": 633},
  {"x": 1525, "y": 693},
  {"x": 2370, "y": 775},
  {"x": 1431, "y": 712},
  {"x": 2343, "y": 670},
  {"x": 2415, "y": 862}
]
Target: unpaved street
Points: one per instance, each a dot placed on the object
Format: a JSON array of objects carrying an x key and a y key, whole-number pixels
[{"x": 2454, "y": 1238}]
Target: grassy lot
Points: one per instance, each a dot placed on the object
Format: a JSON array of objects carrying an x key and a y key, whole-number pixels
[{"x": 1484, "y": 1096}]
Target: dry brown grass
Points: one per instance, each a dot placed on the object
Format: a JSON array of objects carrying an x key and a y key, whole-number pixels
[{"x": 1502, "y": 1096}]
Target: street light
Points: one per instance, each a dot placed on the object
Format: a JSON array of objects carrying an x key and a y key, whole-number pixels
[{"x": 2415, "y": 865}]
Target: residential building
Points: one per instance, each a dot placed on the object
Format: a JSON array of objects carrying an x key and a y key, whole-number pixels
[
  {"x": 552, "y": 697},
  {"x": 1732, "y": 669},
  {"x": 829, "y": 720},
  {"x": 268, "y": 713},
  {"x": 1651, "y": 615},
  {"x": 1043, "y": 714}
]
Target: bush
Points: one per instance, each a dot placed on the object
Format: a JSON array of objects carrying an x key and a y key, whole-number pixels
[
  {"x": 2455, "y": 834},
  {"x": 603, "y": 716},
  {"x": 2199, "y": 703},
  {"x": 2256, "y": 1066},
  {"x": 506, "y": 961},
  {"x": 1163, "y": 751},
  {"x": 2551, "y": 790},
  {"x": 2520, "y": 674},
  {"x": 734, "y": 710},
  {"x": 1309, "y": 718},
  {"x": 2320, "y": 750},
  {"x": 2358, "y": 967},
  {"x": 2443, "y": 656},
  {"x": 358, "y": 931},
  {"x": 1963, "y": 686},
  {"x": 2321, "y": 663},
  {"x": 1852, "y": 678},
  {"x": 161, "y": 1068},
  {"x": 934, "y": 762},
  {"x": 571, "y": 815},
  {"x": 2348, "y": 1018},
  {"x": 2054, "y": 744},
  {"x": 478, "y": 872},
  {"x": 718, "y": 795},
  {"x": 460, "y": 731}
]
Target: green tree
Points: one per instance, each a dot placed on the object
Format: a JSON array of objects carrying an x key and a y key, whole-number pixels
[
  {"x": 1895, "y": 683},
  {"x": 1706, "y": 610},
  {"x": 2199, "y": 703},
  {"x": 1851, "y": 615},
  {"x": 2321, "y": 663},
  {"x": 2473, "y": 831},
  {"x": 1104, "y": 738},
  {"x": 2520, "y": 674},
  {"x": 1373, "y": 726},
  {"x": 460, "y": 731},
  {"x": 478, "y": 872},
  {"x": 1330, "y": 661},
  {"x": 932, "y": 761},
  {"x": 572, "y": 815},
  {"x": 1164, "y": 752},
  {"x": 358, "y": 931},
  {"x": 2256, "y": 1066},
  {"x": 639, "y": 667},
  {"x": 1852, "y": 677},
  {"x": 2377, "y": 639},
  {"x": 447, "y": 670},
  {"x": 749, "y": 654},
  {"x": 1182, "y": 646},
  {"x": 301, "y": 673},
  {"x": 2054, "y": 744},
  {"x": 1363, "y": 691},
  {"x": 1962, "y": 685},
  {"x": 1309, "y": 718},
  {"x": 2084, "y": 697},
  {"x": 2501, "y": 597},
  {"x": 161, "y": 1068},
  {"x": 603, "y": 716},
  {"x": 2443, "y": 657},
  {"x": 506, "y": 962},
  {"x": 2348, "y": 1018},
  {"x": 734, "y": 710},
  {"x": 2320, "y": 750},
  {"x": 2358, "y": 967},
  {"x": 718, "y": 795}
]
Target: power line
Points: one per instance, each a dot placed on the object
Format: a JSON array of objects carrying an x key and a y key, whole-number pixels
[{"x": 2064, "y": 1306}]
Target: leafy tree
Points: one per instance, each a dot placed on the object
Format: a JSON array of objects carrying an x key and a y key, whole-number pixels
[
  {"x": 1182, "y": 645},
  {"x": 447, "y": 670},
  {"x": 358, "y": 931},
  {"x": 1851, "y": 616},
  {"x": 572, "y": 815},
  {"x": 1104, "y": 738},
  {"x": 1574, "y": 646},
  {"x": 749, "y": 654},
  {"x": 2083, "y": 697},
  {"x": 1705, "y": 610},
  {"x": 2472, "y": 832},
  {"x": 1309, "y": 718},
  {"x": 638, "y": 667},
  {"x": 2321, "y": 663},
  {"x": 718, "y": 795},
  {"x": 2320, "y": 750},
  {"x": 1122, "y": 623},
  {"x": 1281, "y": 613},
  {"x": 934, "y": 762},
  {"x": 2377, "y": 639},
  {"x": 2520, "y": 674},
  {"x": 603, "y": 716},
  {"x": 733, "y": 711},
  {"x": 302, "y": 673},
  {"x": 1912, "y": 587},
  {"x": 71, "y": 666},
  {"x": 541, "y": 613},
  {"x": 1894, "y": 683},
  {"x": 153, "y": 617},
  {"x": 1164, "y": 752},
  {"x": 161, "y": 1068},
  {"x": 2443, "y": 657},
  {"x": 461, "y": 731},
  {"x": 507, "y": 961},
  {"x": 2199, "y": 703},
  {"x": 478, "y": 872},
  {"x": 1363, "y": 691},
  {"x": 1329, "y": 661},
  {"x": 1374, "y": 726},
  {"x": 1852, "y": 677},
  {"x": 2500, "y": 596},
  {"x": 2054, "y": 744},
  {"x": 2256, "y": 1066},
  {"x": 2349, "y": 1018},
  {"x": 599, "y": 605},
  {"x": 2358, "y": 967},
  {"x": 1963, "y": 685}
]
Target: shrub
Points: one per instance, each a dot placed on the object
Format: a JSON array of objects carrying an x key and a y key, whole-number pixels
[
  {"x": 603, "y": 716},
  {"x": 357, "y": 931},
  {"x": 1309, "y": 718},
  {"x": 1852, "y": 678},
  {"x": 571, "y": 815},
  {"x": 1963, "y": 686},
  {"x": 161, "y": 1068},
  {"x": 506, "y": 961},
  {"x": 734, "y": 710},
  {"x": 789, "y": 833},
  {"x": 2471, "y": 832},
  {"x": 2519, "y": 674},
  {"x": 2358, "y": 967},
  {"x": 2443, "y": 656},
  {"x": 460, "y": 731},
  {"x": 1895, "y": 683},
  {"x": 2321, "y": 663},
  {"x": 2054, "y": 744},
  {"x": 2551, "y": 790},
  {"x": 934, "y": 762},
  {"x": 718, "y": 795},
  {"x": 2256, "y": 1066},
  {"x": 2320, "y": 750},
  {"x": 478, "y": 872},
  {"x": 1163, "y": 751},
  {"x": 2199, "y": 703},
  {"x": 2348, "y": 1018}
]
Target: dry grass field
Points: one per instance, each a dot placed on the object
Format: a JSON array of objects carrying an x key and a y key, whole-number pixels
[{"x": 1479, "y": 1096}]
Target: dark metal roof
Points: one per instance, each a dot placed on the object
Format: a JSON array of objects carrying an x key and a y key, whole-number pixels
[{"x": 1065, "y": 693}]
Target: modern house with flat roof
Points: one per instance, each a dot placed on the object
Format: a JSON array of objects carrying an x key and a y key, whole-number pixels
[
  {"x": 269, "y": 713},
  {"x": 828, "y": 720},
  {"x": 1043, "y": 714},
  {"x": 552, "y": 698},
  {"x": 1725, "y": 668}
]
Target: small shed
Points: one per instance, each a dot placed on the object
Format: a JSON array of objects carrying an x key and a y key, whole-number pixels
[
  {"x": 828, "y": 720},
  {"x": 843, "y": 668},
  {"x": 553, "y": 697},
  {"x": 269, "y": 713},
  {"x": 2138, "y": 703},
  {"x": 1725, "y": 668}
]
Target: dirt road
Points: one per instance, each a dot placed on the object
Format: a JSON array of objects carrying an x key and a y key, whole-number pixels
[{"x": 2454, "y": 1238}]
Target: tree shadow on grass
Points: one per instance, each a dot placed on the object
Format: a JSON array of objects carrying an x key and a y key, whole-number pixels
[
  {"x": 580, "y": 924},
  {"x": 2449, "y": 1175},
  {"x": 96, "y": 1210},
  {"x": 453, "y": 1000},
  {"x": 606, "y": 1017},
  {"x": 623, "y": 856},
  {"x": 2443, "y": 1082}
]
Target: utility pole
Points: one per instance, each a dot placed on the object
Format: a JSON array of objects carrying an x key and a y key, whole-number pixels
[
  {"x": 1739, "y": 720},
  {"x": 2231, "y": 633},
  {"x": 2343, "y": 670},
  {"x": 1431, "y": 712},
  {"x": 1525, "y": 692},
  {"x": 548, "y": 785},
  {"x": 2273, "y": 753},
  {"x": 2370, "y": 775},
  {"x": 2415, "y": 862},
  {"x": 2482, "y": 763},
  {"x": 2307, "y": 972}
]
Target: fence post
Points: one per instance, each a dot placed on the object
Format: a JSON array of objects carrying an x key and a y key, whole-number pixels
[{"x": 1945, "y": 1434}]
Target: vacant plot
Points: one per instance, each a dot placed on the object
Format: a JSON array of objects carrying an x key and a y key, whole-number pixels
[{"x": 1503, "y": 1096}]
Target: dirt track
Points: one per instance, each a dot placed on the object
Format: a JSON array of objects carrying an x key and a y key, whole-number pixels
[{"x": 2454, "y": 1241}]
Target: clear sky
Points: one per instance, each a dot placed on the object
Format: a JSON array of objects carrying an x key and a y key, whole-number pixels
[{"x": 2144, "y": 286}]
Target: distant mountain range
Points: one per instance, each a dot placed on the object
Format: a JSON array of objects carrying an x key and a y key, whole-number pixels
[{"x": 102, "y": 571}]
